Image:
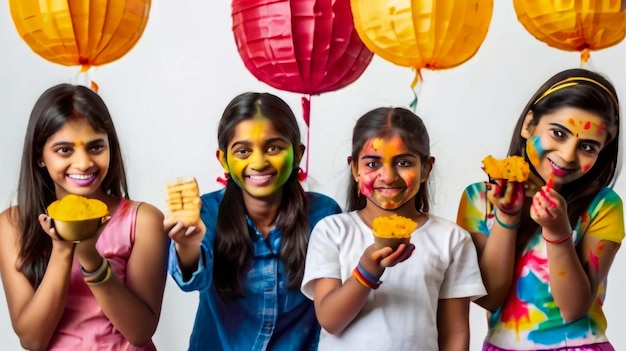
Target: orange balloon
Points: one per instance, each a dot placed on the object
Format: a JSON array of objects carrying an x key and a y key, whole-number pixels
[
  {"x": 86, "y": 33},
  {"x": 574, "y": 25},
  {"x": 432, "y": 34}
]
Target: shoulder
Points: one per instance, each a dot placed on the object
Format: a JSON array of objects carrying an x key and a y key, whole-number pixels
[
  {"x": 145, "y": 209},
  {"x": 9, "y": 227},
  {"x": 213, "y": 198},
  {"x": 321, "y": 206}
]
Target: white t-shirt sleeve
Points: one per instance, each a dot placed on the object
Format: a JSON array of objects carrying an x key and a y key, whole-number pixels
[
  {"x": 462, "y": 278},
  {"x": 322, "y": 259}
]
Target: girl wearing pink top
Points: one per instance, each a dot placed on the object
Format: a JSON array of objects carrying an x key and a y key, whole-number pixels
[{"x": 102, "y": 293}]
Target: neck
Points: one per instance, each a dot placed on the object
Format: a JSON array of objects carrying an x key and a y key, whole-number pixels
[{"x": 263, "y": 212}]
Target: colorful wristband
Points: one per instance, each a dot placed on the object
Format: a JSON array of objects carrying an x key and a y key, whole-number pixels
[
  {"x": 364, "y": 281},
  {"x": 109, "y": 272},
  {"x": 504, "y": 225},
  {"x": 367, "y": 275}
]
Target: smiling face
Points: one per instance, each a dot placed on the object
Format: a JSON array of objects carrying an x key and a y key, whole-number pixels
[
  {"x": 388, "y": 173},
  {"x": 77, "y": 159},
  {"x": 258, "y": 158},
  {"x": 566, "y": 143}
]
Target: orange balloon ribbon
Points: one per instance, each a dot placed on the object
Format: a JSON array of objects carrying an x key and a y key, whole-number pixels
[
  {"x": 80, "y": 33},
  {"x": 574, "y": 25}
]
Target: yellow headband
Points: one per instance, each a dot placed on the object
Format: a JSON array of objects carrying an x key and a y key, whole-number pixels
[{"x": 571, "y": 81}]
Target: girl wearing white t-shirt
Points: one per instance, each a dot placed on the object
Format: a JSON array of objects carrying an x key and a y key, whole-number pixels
[{"x": 423, "y": 302}]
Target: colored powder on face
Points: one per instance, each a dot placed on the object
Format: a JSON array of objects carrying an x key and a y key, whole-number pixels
[{"x": 535, "y": 150}]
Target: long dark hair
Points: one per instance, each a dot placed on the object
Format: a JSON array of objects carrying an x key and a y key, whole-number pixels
[
  {"x": 36, "y": 190},
  {"x": 591, "y": 92},
  {"x": 385, "y": 122},
  {"x": 233, "y": 243}
]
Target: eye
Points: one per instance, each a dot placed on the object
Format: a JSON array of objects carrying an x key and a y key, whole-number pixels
[
  {"x": 404, "y": 163},
  {"x": 96, "y": 149},
  {"x": 589, "y": 148},
  {"x": 64, "y": 151},
  {"x": 274, "y": 149},
  {"x": 558, "y": 134},
  {"x": 372, "y": 164},
  {"x": 241, "y": 153}
]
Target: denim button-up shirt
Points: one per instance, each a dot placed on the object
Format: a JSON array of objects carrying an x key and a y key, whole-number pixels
[{"x": 270, "y": 317}]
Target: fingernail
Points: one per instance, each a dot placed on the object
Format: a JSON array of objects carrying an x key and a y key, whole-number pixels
[{"x": 190, "y": 230}]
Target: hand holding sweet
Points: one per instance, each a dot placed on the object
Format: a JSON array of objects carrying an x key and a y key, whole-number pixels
[
  {"x": 183, "y": 202},
  {"x": 507, "y": 196}
]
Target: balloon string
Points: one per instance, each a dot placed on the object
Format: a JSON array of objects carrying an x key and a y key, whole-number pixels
[
  {"x": 584, "y": 57},
  {"x": 86, "y": 70},
  {"x": 416, "y": 85},
  {"x": 306, "y": 115}
]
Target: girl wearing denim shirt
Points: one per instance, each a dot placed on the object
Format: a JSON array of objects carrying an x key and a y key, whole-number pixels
[{"x": 246, "y": 255}]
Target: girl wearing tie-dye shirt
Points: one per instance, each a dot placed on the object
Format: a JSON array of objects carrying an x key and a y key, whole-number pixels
[{"x": 546, "y": 245}]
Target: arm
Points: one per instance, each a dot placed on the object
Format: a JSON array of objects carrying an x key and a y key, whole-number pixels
[
  {"x": 496, "y": 249},
  {"x": 135, "y": 308},
  {"x": 336, "y": 304},
  {"x": 453, "y": 324},
  {"x": 576, "y": 276},
  {"x": 35, "y": 314}
]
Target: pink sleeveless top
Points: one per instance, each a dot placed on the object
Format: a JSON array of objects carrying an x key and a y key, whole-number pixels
[{"x": 83, "y": 325}]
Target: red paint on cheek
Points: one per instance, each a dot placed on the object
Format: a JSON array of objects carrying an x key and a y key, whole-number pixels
[
  {"x": 366, "y": 185},
  {"x": 586, "y": 168}
]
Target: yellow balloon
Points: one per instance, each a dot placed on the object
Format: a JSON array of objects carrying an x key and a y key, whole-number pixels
[
  {"x": 432, "y": 34},
  {"x": 80, "y": 32},
  {"x": 573, "y": 25}
]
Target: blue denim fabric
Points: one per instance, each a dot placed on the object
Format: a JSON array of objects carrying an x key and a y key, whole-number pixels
[{"x": 270, "y": 317}]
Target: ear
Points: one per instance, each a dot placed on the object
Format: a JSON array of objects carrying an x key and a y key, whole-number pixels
[
  {"x": 353, "y": 168},
  {"x": 299, "y": 151},
  {"x": 41, "y": 164},
  {"x": 221, "y": 156},
  {"x": 426, "y": 168},
  {"x": 528, "y": 126}
]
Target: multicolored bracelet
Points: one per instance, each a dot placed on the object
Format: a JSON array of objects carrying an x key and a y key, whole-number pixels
[
  {"x": 364, "y": 278},
  {"x": 99, "y": 276}
]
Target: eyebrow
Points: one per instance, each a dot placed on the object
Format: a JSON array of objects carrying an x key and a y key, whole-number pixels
[
  {"x": 68, "y": 143},
  {"x": 268, "y": 141},
  {"x": 407, "y": 155}
]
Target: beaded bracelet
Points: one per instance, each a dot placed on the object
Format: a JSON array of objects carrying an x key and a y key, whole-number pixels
[
  {"x": 558, "y": 241},
  {"x": 109, "y": 272},
  {"x": 364, "y": 281},
  {"x": 504, "y": 225}
]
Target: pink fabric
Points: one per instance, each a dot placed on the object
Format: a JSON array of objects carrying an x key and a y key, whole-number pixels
[
  {"x": 605, "y": 346},
  {"x": 83, "y": 325}
]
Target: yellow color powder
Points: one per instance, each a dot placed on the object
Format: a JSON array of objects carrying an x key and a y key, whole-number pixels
[
  {"x": 77, "y": 208},
  {"x": 393, "y": 226}
]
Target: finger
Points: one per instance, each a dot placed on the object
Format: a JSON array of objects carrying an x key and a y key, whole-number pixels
[
  {"x": 547, "y": 197},
  {"x": 380, "y": 254}
]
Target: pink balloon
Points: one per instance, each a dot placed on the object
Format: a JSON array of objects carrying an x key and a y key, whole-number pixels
[{"x": 302, "y": 46}]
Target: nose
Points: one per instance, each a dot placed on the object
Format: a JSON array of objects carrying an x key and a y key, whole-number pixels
[
  {"x": 257, "y": 160},
  {"x": 568, "y": 152},
  {"x": 387, "y": 174},
  {"x": 82, "y": 161}
]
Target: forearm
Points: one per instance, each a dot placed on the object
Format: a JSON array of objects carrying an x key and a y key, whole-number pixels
[
  {"x": 339, "y": 307},
  {"x": 455, "y": 342},
  {"x": 497, "y": 265},
  {"x": 129, "y": 314},
  {"x": 569, "y": 283},
  {"x": 188, "y": 257},
  {"x": 37, "y": 322}
]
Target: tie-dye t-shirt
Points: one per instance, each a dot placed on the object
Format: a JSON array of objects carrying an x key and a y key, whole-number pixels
[{"x": 530, "y": 319}]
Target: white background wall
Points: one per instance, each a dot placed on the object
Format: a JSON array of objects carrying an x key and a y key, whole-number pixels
[{"x": 167, "y": 94}]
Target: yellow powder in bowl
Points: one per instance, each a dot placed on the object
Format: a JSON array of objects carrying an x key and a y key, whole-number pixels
[
  {"x": 393, "y": 226},
  {"x": 512, "y": 168},
  {"x": 77, "y": 208}
]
